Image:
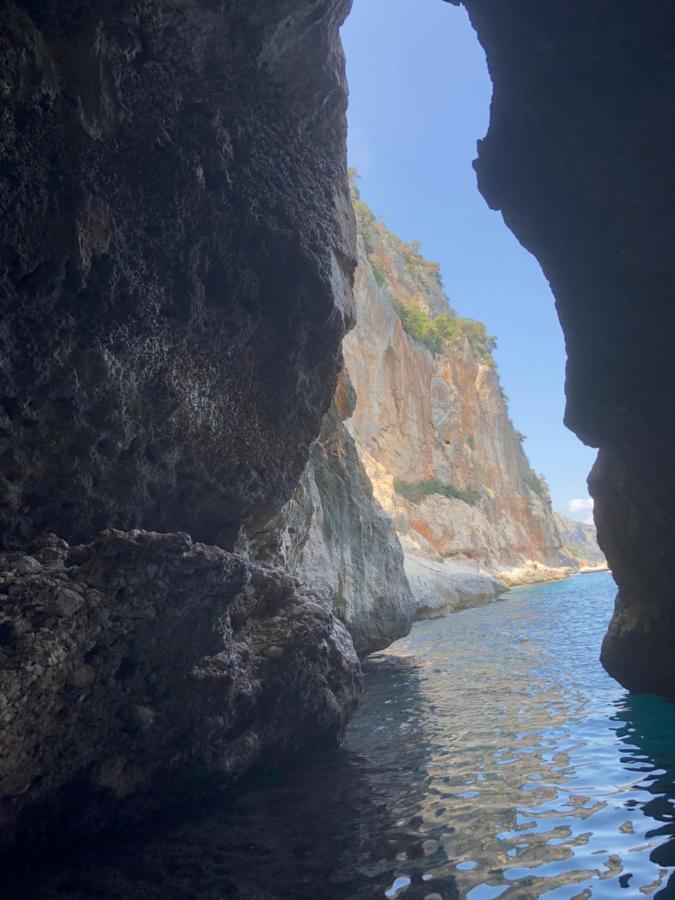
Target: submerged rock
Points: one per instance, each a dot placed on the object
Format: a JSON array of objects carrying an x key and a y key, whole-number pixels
[{"x": 142, "y": 654}]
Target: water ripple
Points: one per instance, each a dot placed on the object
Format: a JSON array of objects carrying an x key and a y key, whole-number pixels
[
  {"x": 491, "y": 757},
  {"x": 542, "y": 777}
]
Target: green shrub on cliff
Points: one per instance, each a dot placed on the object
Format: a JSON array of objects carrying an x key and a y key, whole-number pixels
[
  {"x": 416, "y": 264},
  {"x": 481, "y": 342},
  {"x": 415, "y": 493},
  {"x": 368, "y": 226},
  {"x": 431, "y": 331},
  {"x": 538, "y": 484},
  {"x": 366, "y": 223},
  {"x": 435, "y": 332},
  {"x": 377, "y": 275}
]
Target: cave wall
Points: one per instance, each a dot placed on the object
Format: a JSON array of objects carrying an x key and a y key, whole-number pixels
[
  {"x": 176, "y": 255},
  {"x": 176, "y": 252},
  {"x": 579, "y": 160},
  {"x": 143, "y": 653}
]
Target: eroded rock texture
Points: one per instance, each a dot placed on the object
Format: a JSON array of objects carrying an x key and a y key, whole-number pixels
[
  {"x": 144, "y": 653},
  {"x": 175, "y": 258},
  {"x": 579, "y": 159},
  {"x": 333, "y": 534}
]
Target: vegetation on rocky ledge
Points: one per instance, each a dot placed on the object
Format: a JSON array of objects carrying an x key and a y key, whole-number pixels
[
  {"x": 416, "y": 492},
  {"x": 436, "y": 332},
  {"x": 370, "y": 227},
  {"x": 538, "y": 484}
]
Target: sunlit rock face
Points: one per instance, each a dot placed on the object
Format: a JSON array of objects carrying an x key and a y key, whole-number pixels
[
  {"x": 580, "y": 540},
  {"x": 175, "y": 259},
  {"x": 439, "y": 416},
  {"x": 579, "y": 159},
  {"x": 335, "y": 536},
  {"x": 144, "y": 654}
]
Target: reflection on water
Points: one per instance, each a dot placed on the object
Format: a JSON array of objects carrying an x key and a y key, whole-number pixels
[
  {"x": 491, "y": 757},
  {"x": 542, "y": 776}
]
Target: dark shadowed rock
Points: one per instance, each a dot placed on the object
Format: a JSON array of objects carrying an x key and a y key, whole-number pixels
[
  {"x": 142, "y": 654},
  {"x": 176, "y": 258},
  {"x": 579, "y": 159},
  {"x": 176, "y": 252}
]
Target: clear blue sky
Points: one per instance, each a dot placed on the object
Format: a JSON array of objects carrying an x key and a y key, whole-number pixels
[{"x": 419, "y": 101}]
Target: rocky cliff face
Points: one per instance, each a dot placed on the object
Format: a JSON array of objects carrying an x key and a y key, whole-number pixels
[
  {"x": 176, "y": 258},
  {"x": 175, "y": 262},
  {"x": 428, "y": 447},
  {"x": 580, "y": 541},
  {"x": 334, "y": 535},
  {"x": 578, "y": 158},
  {"x": 431, "y": 421}
]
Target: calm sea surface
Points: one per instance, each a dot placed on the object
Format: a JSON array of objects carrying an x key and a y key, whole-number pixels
[{"x": 492, "y": 756}]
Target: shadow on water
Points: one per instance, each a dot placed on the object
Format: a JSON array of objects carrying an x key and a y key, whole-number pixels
[
  {"x": 647, "y": 729},
  {"x": 333, "y": 824}
]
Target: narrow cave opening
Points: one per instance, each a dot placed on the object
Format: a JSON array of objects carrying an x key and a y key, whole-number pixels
[
  {"x": 503, "y": 698},
  {"x": 420, "y": 95}
]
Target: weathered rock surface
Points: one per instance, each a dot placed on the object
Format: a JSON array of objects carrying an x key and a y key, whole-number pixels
[
  {"x": 445, "y": 587},
  {"x": 578, "y": 158},
  {"x": 441, "y": 417},
  {"x": 176, "y": 257},
  {"x": 333, "y": 534},
  {"x": 580, "y": 541},
  {"x": 176, "y": 250},
  {"x": 143, "y": 653}
]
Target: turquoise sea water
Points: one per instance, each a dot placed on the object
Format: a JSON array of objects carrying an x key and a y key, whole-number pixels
[
  {"x": 537, "y": 774},
  {"x": 492, "y": 756}
]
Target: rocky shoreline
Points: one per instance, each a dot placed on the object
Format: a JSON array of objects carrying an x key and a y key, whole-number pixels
[{"x": 441, "y": 588}]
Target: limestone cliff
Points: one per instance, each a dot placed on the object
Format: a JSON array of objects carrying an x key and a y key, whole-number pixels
[
  {"x": 428, "y": 451},
  {"x": 432, "y": 424},
  {"x": 580, "y": 541}
]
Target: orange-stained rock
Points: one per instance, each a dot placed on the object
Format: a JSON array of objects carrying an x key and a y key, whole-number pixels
[{"x": 441, "y": 417}]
